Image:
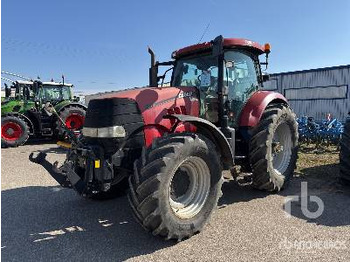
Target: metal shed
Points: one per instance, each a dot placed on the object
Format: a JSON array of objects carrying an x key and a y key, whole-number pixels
[{"x": 315, "y": 92}]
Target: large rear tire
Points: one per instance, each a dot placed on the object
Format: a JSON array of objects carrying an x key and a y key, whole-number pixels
[
  {"x": 345, "y": 154},
  {"x": 14, "y": 131},
  {"x": 176, "y": 185},
  {"x": 274, "y": 148},
  {"x": 73, "y": 116}
]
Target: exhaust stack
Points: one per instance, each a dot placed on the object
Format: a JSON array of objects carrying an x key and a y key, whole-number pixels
[{"x": 153, "y": 70}]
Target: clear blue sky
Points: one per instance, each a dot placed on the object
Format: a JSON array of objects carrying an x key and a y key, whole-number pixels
[{"x": 101, "y": 45}]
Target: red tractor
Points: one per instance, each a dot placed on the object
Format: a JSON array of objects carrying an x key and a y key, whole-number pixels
[{"x": 171, "y": 144}]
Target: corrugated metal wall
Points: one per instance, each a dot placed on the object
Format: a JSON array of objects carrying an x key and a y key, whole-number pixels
[{"x": 315, "y": 92}]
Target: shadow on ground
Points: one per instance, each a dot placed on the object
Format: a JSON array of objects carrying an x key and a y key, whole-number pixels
[
  {"x": 234, "y": 193},
  {"x": 322, "y": 182},
  {"x": 50, "y": 223}
]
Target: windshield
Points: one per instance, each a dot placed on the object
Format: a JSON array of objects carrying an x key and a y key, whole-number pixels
[
  {"x": 201, "y": 72},
  {"x": 50, "y": 92}
]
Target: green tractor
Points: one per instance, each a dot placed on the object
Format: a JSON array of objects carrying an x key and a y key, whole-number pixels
[{"x": 23, "y": 114}]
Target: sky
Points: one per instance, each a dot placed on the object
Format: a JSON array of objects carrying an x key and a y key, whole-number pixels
[{"x": 102, "y": 45}]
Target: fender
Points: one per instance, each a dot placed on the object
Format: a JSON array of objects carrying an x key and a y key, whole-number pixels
[
  {"x": 256, "y": 105},
  {"x": 25, "y": 118},
  {"x": 209, "y": 130},
  {"x": 62, "y": 107}
]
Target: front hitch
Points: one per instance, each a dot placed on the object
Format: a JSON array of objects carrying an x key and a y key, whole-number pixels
[
  {"x": 65, "y": 175},
  {"x": 57, "y": 173}
]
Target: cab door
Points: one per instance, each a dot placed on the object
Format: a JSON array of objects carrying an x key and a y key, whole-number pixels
[{"x": 240, "y": 78}]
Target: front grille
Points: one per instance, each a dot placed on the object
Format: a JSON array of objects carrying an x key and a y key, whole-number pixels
[{"x": 111, "y": 112}]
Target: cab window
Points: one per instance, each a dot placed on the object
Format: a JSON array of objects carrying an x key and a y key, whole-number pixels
[
  {"x": 240, "y": 76},
  {"x": 201, "y": 72}
]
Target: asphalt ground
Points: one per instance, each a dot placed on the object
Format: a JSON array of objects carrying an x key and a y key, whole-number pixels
[{"x": 43, "y": 222}]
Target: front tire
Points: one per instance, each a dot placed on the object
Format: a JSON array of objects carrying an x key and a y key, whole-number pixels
[
  {"x": 274, "y": 148},
  {"x": 14, "y": 131},
  {"x": 176, "y": 185}
]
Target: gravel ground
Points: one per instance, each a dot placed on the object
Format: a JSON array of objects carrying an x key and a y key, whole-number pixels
[{"x": 41, "y": 221}]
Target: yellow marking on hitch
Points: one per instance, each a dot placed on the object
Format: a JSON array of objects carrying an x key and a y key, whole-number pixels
[
  {"x": 97, "y": 163},
  {"x": 64, "y": 144}
]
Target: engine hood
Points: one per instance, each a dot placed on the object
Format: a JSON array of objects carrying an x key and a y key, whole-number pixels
[
  {"x": 153, "y": 104},
  {"x": 151, "y": 97}
]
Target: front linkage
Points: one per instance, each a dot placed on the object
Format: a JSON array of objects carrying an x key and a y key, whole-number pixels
[{"x": 84, "y": 169}]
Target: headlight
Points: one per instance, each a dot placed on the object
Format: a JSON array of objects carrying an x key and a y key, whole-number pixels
[{"x": 104, "y": 132}]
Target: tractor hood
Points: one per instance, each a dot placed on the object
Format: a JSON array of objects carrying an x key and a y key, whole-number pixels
[
  {"x": 153, "y": 97},
  {"x": 139, "y": 107}
]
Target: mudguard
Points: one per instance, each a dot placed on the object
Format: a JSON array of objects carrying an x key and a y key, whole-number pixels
[
  {"x": 256, "y": 106},
  {"x": 209, "y": 130}
]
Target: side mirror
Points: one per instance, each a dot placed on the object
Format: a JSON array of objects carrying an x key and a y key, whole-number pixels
[
  {"x": 266, "y": 78},
  {"x": 229, "y": 64}
]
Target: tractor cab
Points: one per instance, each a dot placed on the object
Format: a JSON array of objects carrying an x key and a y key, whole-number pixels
[
  {"x": 38, "y": 91},
  {"x": 225, "y": 71},
  {"x": 54, "y": 92}
]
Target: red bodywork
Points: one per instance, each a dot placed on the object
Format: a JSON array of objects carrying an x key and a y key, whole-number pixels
[
  {"x": 256, "y": 105},
  {"x": 155, "y": 102}
]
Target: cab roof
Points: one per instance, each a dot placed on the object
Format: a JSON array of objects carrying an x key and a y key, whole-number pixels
[
  {"x": 49, "y": 83},
  {"x": 227, "y": 43},
  {"x": 56, "y": 84}
]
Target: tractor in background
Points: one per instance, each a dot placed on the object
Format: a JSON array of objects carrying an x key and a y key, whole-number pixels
[
  {"x": 23, "y": 114},
  {"x": 172, "y": 143}
]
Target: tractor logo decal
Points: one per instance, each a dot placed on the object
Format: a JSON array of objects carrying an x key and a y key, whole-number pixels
[{"x": 182, "y": 94}]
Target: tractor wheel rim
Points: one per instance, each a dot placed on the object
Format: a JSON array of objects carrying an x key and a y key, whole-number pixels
[
  {"x": 11, "y": 131},
  {"x": 189, "y": 187},
  {"x": 282, "y": 148},
  {"x": 74, "y": 121}
]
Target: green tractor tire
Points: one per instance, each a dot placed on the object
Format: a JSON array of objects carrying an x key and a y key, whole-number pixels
[
  {"x": 73, "y": 116},
  {"x": 14, "y": 131}
]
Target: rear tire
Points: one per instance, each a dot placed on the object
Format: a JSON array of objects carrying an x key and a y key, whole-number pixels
[
  {"x": 274, "y": 148},
  {"x": 345, "y": 154},
  {"x": 14, "y": 131},
  {"x": 176, "y": 185},
  {"x": 73, "y": 116}
]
